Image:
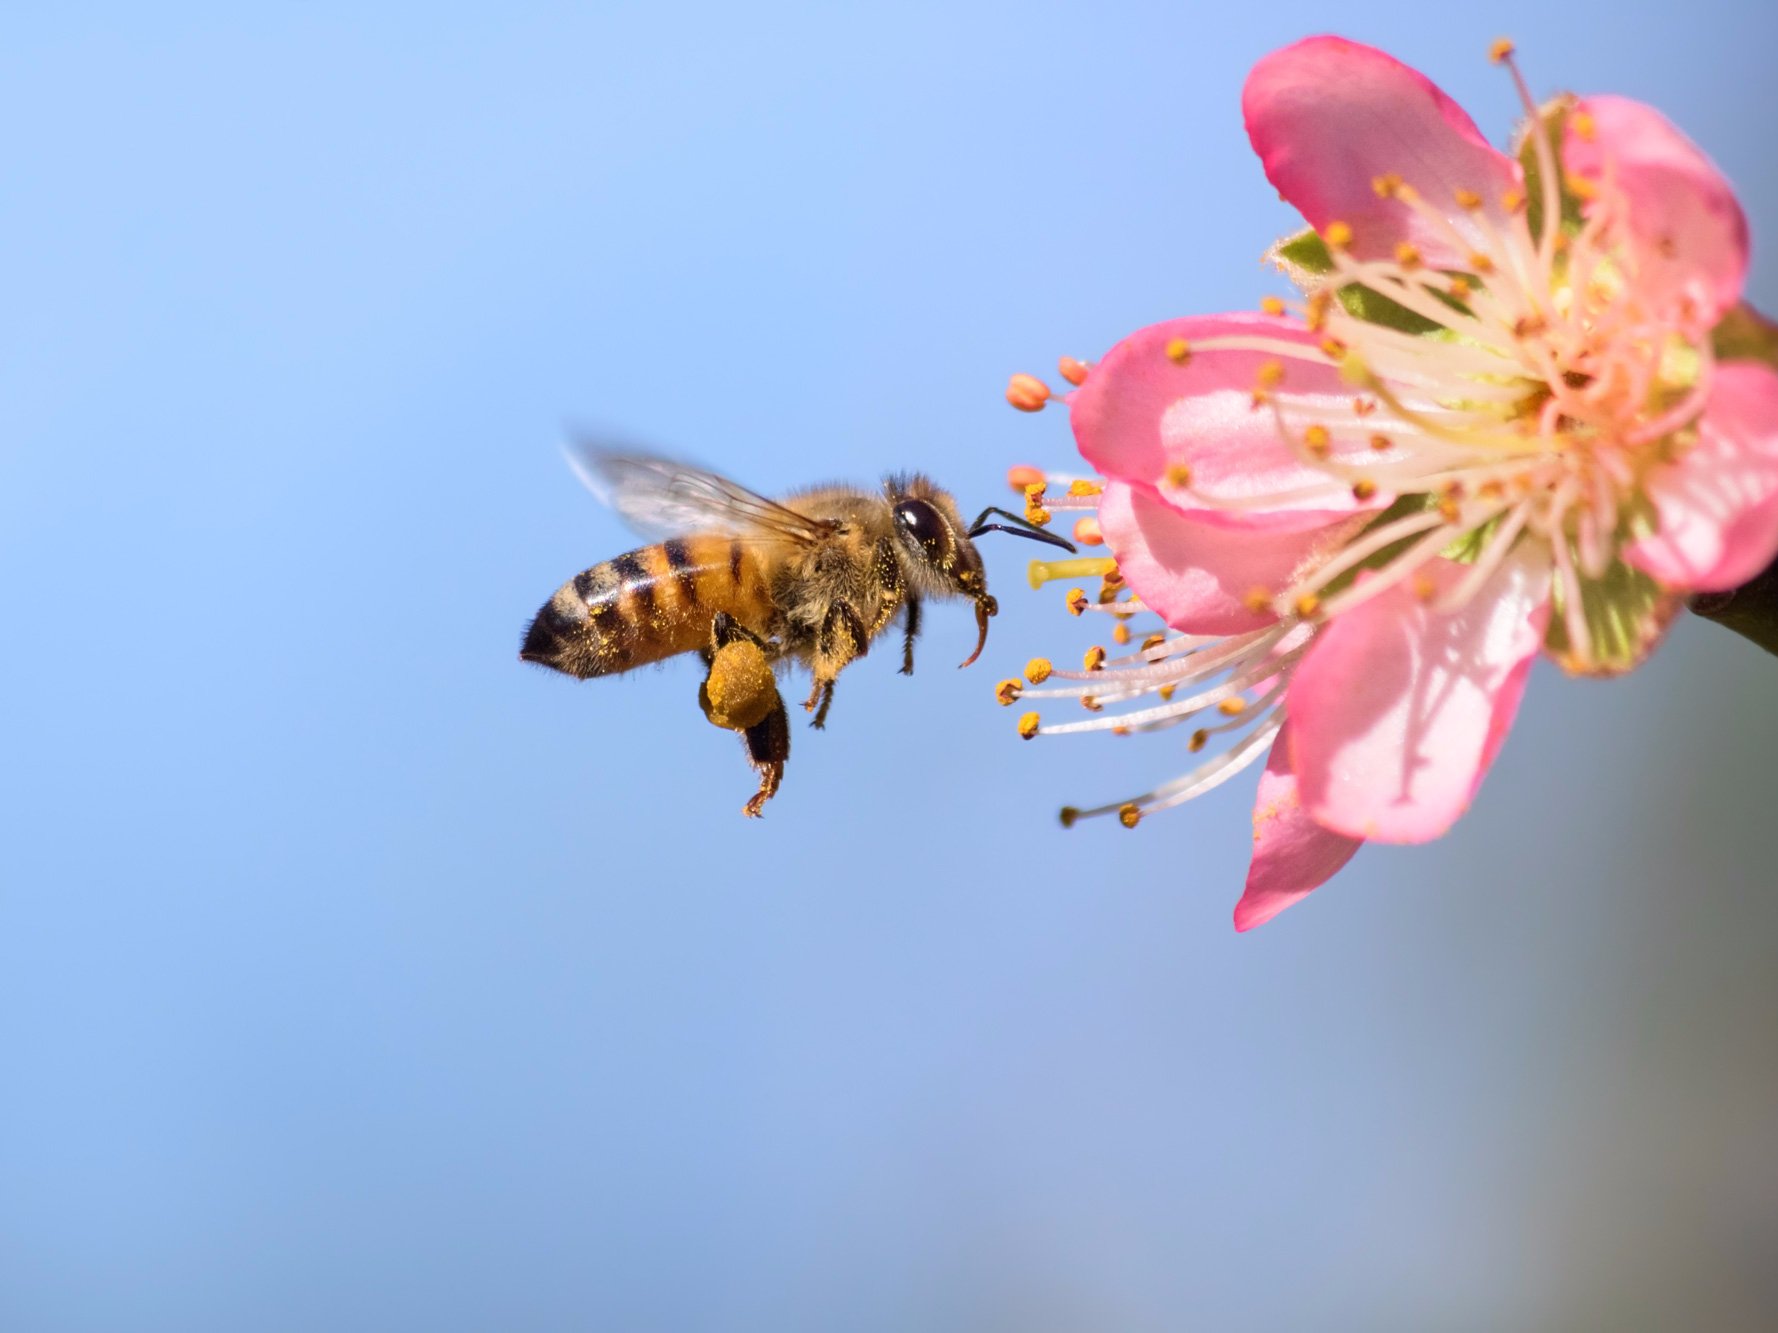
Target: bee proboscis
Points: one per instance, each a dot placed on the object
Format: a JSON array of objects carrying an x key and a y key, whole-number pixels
[{"x": 743, "y": 580}]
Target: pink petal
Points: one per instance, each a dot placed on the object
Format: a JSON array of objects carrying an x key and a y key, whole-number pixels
[
  {"x": 1196, "y": 575},
  {"x": 1328, "y": 116},
  {"x": 1141, "y": 415},
  {"x": 1397, "y": 710},
  {"x": 1292, "y": 854},
  {"x": 1689, "y": 233},
  {"x": 1718, "y": 504}
]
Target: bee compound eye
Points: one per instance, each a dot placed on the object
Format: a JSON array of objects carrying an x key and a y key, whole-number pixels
[{"x": 921, "y": 522}]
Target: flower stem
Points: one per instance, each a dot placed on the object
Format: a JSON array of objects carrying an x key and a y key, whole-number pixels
[{"x": 1750, "y": 610}]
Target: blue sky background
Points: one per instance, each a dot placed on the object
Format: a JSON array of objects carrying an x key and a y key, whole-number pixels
[{"x": 354, "y": 976}]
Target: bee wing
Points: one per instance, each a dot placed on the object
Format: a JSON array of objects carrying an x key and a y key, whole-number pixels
[{"x": 664, "y": 497}]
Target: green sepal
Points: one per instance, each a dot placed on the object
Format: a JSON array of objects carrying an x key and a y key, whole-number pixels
[
  {"x": 1745, "y": 335},
  {"x": 1625, "y": 612},
  {"x": 1305, "y": 258},
  {"x": 1552, "y": 117}
]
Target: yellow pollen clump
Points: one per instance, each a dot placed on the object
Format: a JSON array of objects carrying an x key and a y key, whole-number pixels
[
  {"x": 1034, "y": 492},
  {"x": 1166, "y": 692},
  {"x": 1037, "y": 515},
  {"x": 1338, "y": 235},
  {"x": 1129, "y": 815},
  {"x": 1363, "y": 489},
  {"x": 1086, "y": 532},
  {"x": 1232, "y": 707},
  {"x": 1582, "y": 123},
  {"x": 1461, "y": 289},
  {"x": 1120, "y": 633},
  {"x": 1272, "y": 305},
  {"x": 1500, "y": 49},
  {"x": 1075, "y": 372},
  {"x": 1407, "y": 254},
  {"x": 1178, "y": 475},
  {"x": 1068, "y": 814},
  {"x": 1199, "y": 739},
  {"x": 1028, "y": 724},
  {"x": 1023, "y": 477},
  {"x": 1077, "y": 601},
  {"x": 1257, "y": 599},
  {"x": 1381, "y": 443},
  {"x": 1307, "y": 605},
  {"x": 1080, "y": 488},
  {"x": 1317, "y": 440},
  {"x": 1027, "y": 392},
  {"x": 1038, "y": 669},
  {"x": 1094, "y": 660},
  {"x": 1468, "y": 200},
  {"x": 1179, "y": 351}
]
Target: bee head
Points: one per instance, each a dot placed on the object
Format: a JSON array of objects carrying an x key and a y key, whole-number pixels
[{"x": 940, "y": 556}]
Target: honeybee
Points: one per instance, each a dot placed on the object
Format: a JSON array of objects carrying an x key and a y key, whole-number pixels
[{"x": 752, "y": 584}]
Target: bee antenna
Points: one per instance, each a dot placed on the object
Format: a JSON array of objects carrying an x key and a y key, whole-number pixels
[{"x": 1025, "y": 528}]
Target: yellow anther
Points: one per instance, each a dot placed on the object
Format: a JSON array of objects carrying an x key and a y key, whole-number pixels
[
  {"x": 1513, "y": 200},
  {"x": 1363, "y": 489},
  {"x": 1583, "y": 124},
  {"x": 1407, "y": 254},
  {"x": 1461, "y": 289},
  {"x": 1113, "y": 577},
  {"x": 1153, "y": 641},
  {"x": 1381, "y": 443},
  {"x": 1120, "y": 731},
  {"x": 1272, "y": 305},
  {"x": 1007, "y": 691},
  {"x": 1468, "y": 200},
  {"x": 1178, "y": 475},
  {"x": 1075, "y": 372},
  {"x": 1500, "y": 49},
  {"x": 1086, "y": 532},
  {"x": 1333, "y": 349},
  {"x": 1270, "y": 374},
  {"x": 1038, "y": 669},
  {"x": 1094, "y": 659},
  {"x": 1120, "y": 633},
  {"x": 1035, "y": 491},
  {"x": 1233, "y": 706},
  {"x": 1579, "y": 186},
  {"x": 1481, "y": 263},
  {"x": 1179, "y": 351},
  {"x": 1363, "y": 407},
  {"x": 1129, "y": 815},
  {"x": 1338, "y": 235},
  {"x": 1386, "y": 185},
  {"x": 1449, "y": 509},
  {"x": 1166, "y": 692},
  {"x": 1027, "y": 392},
  {"x": 1068, "y": 814},
  {"x": 1077, "y": 601},
  {"x": 1080, "y": 488},
  {"x": 1091, "y": 704},
  {"x": 1257, "y": 599},
  {"x": 1037, "y": 515},
  {"x": 1492, "y": 490},
  {"x": 1199, "y": 739},
  {"x": 1023, "y": 477},
  {"x": 1028, "y": 724},
  {"x": 1317, "y": 440},
  {"x": 1424, "y": 588},
  {"x": 1529, "y": 326},
  {"x": 1319, "y": 302},
  {"x": 1307, "y": 605}
]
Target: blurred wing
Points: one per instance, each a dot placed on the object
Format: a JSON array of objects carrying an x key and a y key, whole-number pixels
[{"x": 661, "y": 497}]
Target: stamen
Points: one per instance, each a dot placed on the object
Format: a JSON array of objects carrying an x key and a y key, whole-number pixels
[
  {"x": 1007, "y": 691},
  {"x": 1027, "y": 393},
  {"x": 1075, "y": 372},
  {"x": 1087, "y": 533}
]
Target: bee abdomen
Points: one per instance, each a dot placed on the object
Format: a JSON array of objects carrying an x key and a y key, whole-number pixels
[{"x": 648, "y": 604}]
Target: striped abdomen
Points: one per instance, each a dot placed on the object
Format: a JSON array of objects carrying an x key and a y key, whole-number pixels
[{"x": 649, "y": 604}]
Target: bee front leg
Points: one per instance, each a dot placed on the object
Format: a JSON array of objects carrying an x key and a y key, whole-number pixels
[{"x": 740, "y": 694}]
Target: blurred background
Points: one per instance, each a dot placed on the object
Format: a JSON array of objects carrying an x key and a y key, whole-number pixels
[{"x": 353, "y": 975}]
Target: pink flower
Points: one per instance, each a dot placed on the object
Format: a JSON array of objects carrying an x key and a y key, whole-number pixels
[{"x": 1492, "y": 424}]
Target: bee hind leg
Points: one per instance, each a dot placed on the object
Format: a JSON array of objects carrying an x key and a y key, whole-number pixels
[{"x": 740, "y": 694}]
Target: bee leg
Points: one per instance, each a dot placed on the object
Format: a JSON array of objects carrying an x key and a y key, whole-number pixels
[
  {"x": 910, "y": 633},
  {"x": 768, "y": 746},
  {"x": 843, "y": 637},
  {"x": 740, "y": 694}
]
